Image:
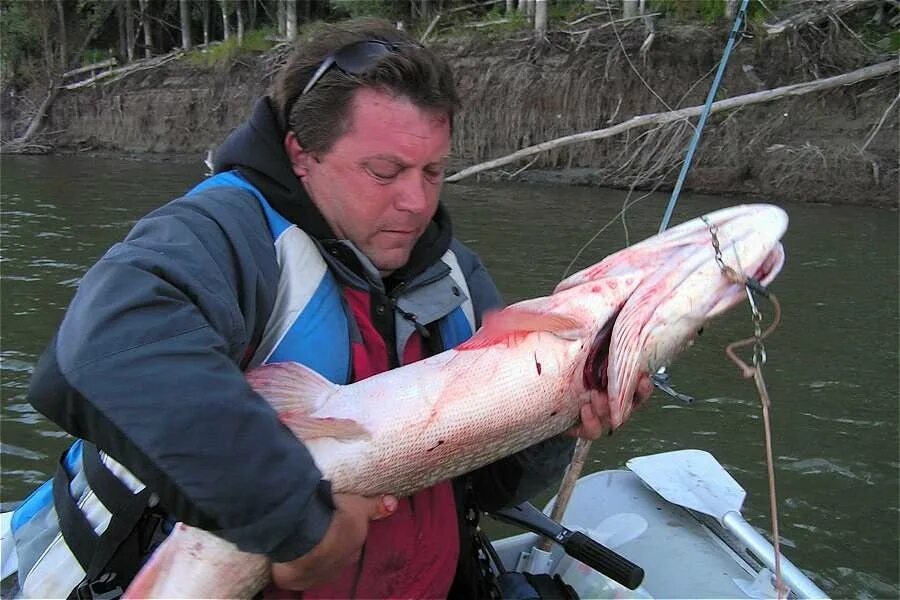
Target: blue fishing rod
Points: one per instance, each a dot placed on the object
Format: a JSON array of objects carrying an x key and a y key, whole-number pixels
[
  {"x": 685, "y": 167},
  {"x": 661, "y": 379}
]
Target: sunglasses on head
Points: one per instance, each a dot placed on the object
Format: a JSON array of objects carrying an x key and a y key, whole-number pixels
[{"x": 353, "y": 59}]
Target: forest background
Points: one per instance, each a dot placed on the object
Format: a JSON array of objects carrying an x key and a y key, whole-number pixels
[{"x": 604, "y": 87}]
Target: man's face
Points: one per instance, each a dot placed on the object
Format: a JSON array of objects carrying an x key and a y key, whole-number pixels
[{"x": 379, "y": 183}]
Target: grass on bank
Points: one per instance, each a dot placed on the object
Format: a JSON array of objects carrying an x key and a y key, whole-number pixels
[{"x": 217, "y": 54}]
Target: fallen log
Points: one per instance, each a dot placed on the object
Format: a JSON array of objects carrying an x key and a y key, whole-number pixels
[
  {"x": 797, "y": 89},
  {"x": 109, "y": 62},
  {"x": 138, "y": 65},
  {"x": 818, "y": 13},
  {"x": 22, "y": 143}
]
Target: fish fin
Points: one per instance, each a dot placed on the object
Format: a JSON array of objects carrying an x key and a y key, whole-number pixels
[
  {"x": 306, "y": 427},
  {"x": 512, "y": 324},
  {"x": 290, "y": 386}
]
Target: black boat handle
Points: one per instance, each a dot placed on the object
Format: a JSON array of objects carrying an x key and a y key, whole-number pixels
[
  {"x": 602, "y": 559},
  {"x": 576, "y": 544}
]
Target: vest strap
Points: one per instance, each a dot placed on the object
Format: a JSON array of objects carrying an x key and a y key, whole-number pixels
[
  {"x": 95, "y": 552},
  {"x": 74, "y": 526}
]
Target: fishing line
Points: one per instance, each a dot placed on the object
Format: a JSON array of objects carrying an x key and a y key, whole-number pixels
[{"x": 625, "y": 207}]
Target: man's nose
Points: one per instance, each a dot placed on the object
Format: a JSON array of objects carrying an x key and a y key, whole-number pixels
[{"x": 414, "y": 193}]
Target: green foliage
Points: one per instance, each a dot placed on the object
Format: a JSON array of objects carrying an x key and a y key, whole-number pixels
[
  {"x": 709, "y": 11},
  {"x": 94, "y": 55},
  {"x": 892, "y": 43},
  {"x": 501, "y": 24},
  {"x": 220, "y": 54},
  {"x": 20, "y": 27},
  {"x": 386, "y": 9},
  {"x": 569, "y": 10},
  {"x": 259, "y": 40},
  {"x": 879, "y": 36}
]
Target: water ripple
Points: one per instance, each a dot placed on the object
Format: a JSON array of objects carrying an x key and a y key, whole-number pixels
[
  {"x": 819, "y": 466},
  {"x": 42, "y": 263},
  {"x": 15, "y": 365},
  {"x": 867, "y": 584},
  {"x": 71, "y": 283},
  {"x": 845, "y": 420},
  {"x": 820, "y": 385},
  {"x": 28, "y": 476},
  {"x": 12, "y": 450}
]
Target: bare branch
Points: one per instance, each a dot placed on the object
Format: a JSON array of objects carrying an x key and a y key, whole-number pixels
[{"x": 799, "y": 89}]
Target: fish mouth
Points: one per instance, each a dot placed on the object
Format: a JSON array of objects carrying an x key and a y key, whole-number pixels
[
  {"x": 596, "y": 365},
  {"x": 763, "y": 274}
]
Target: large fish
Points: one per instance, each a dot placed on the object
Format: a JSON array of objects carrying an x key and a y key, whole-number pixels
[{"x": 522, "y": 378}]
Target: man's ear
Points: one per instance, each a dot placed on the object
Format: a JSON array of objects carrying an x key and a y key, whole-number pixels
[{"x": 300, "y": 159}]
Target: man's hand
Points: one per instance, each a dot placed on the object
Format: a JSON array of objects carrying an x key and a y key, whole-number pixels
[
  {"x": 595, "y": 414},
  {"x": 339, "y": 547}
]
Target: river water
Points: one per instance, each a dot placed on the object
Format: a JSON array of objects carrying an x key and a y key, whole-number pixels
[{"x": 832, "y": 365}]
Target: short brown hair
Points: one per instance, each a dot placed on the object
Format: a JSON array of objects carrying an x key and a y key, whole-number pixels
[{"x": 320, "y": 117}]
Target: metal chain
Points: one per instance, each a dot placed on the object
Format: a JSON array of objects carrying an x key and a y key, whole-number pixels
[
  {"x": 759, "y": 349},
  {"x": 713, "y": 231},
  {"x": 759, "y": 359}
]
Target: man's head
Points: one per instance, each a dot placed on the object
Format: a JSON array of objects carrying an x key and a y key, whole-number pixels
[{"x": 370, "y": 137}]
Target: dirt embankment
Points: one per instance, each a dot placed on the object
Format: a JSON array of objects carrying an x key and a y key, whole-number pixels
[{"x": 813, "y": 148}]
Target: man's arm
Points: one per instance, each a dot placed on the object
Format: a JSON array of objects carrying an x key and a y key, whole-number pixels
[{"x": 145, "y": 366}]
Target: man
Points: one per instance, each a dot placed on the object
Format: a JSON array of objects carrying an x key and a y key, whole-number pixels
[{"x": 320, "y": 240}]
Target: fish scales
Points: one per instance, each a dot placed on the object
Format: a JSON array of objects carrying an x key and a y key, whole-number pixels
[{"x": 450, "y": 421}]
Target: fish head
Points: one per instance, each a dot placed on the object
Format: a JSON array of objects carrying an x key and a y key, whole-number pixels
[{"x": 675, "y": 284}]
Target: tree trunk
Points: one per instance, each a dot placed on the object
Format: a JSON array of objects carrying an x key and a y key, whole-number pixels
[
  {"x": 185, "y": 24},
  {"x": 45, "y": 32},
  {"x": 99, "y": 23},
  {"x": 129, "y": 30},
  {"x": 239, "y": 13},
  {"x": 204, "y": 10},
  {"x": 123, "y": 37},
  {"x": 251, "y": 15},
  {"x": 144, "y": 5},
  {"x": 63, "y": 50},
  {"x": 226, "y": 33},
  {"x": 731, "y": 9},
  {"x": 630, "y": 9},
  {"x": 290, "y": 16},
  {"x": 38, "y": 118},
  {"x": 281, "y": 17},
  {"x": 797, "y": 89},
  {"x": 540, "y": 20},
  {"x": 529, "y": 9}
]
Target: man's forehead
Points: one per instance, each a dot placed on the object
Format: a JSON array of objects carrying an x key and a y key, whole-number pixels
[
  {"x": 372, "y": 102},
  {"x": 382, "y": 126}
]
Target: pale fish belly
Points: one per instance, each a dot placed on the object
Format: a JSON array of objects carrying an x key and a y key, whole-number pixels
[
  {"x": 458, "y": 412},
  {"x": 193, "y": 563}
]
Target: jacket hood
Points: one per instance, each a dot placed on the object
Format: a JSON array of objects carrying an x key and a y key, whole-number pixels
[{"x": 255, "y": 149}]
